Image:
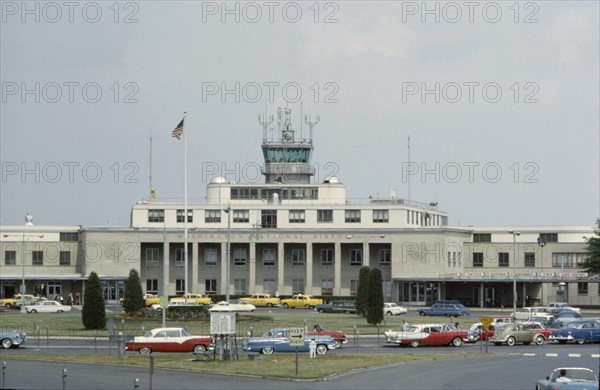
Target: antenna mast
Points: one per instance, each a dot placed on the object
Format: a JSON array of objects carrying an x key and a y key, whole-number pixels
[
  {"x": 264, "y": 122},
  {"x": 309, "y": 121}
]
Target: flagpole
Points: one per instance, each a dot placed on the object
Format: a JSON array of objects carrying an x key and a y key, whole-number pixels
[{"x": 185, "y": 213}]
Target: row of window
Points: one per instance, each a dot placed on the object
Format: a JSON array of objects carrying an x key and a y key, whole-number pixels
[
  {"x": 559, "y": 260},
  {"x": 487, "y": 237},
  {"x": 268, "y": 217},
  {"x": 240, "y": 257},
  {"x": 37, "y": 257},
  {"x": 240, "y": 286}
]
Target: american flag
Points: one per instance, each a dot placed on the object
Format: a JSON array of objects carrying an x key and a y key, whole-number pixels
[{"x": 178, "y": 131}]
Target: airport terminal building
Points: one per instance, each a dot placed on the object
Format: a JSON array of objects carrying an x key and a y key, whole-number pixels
[{"x": 291, "y": 235}]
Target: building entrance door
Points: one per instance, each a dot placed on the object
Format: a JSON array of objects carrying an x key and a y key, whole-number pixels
[
  {"x": 475, "y": 298},
  {"x": 490, "y": 296},
  {"x": 112, "y": 290}
]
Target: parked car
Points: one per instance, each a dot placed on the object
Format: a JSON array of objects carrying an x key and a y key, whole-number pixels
[
  {"x": 445, "y": 309},
  {"x": 561, "y": 322},
  {"x": 301, "y": 300},
  {"x": 581, "y": 331},
  {"x": 476, "y": 332},
  {"x": 169, "y": 340},
  {"x": 337, "y": 307},
  {"x": 200, "y": 298},
  {"x": 565, "y": 313},
  {"x": 12, "y": 338},
  {"x": 47, "y": 307},
  {"x": 526, "y": 333},
  {"x": 525, "y": 313},
  {"x": 235, "y": 305},
  {"x": 561, "y": 305},
  {"x": 570, "y": 378},
  {"x": 428, "y": 334},
  {"x": 262, "y": 300},
  {"x": 393, "y": 309},
  {"x": 152, "y": 299},
  {"x": 278, "y": 340},
  {"x": 339, "y": 337},
  {"x": 17, "y": 300},
  {"x": 177, "y": 303}
]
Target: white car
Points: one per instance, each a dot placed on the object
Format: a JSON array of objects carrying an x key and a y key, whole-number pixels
[
  {"x": 233, "y": 305},
  {"x": 47, "y": 307},
  {"x": 177, "y": 303},
  {"x": 392, "y": 309}
]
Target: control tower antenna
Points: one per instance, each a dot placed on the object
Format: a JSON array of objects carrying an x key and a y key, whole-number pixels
[
  {"x": 309, "y": 121},
  {"x": 264, "y": 122}
]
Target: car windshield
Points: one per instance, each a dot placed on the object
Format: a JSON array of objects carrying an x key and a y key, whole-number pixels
[{"x": 575, "y": 374}]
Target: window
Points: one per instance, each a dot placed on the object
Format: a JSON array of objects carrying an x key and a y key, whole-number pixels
[
  {"x": 482, "y": 237},
  {"x": 356, "y": 257},
  {"x": 269, "y": 256},
  {"x": 210, "y": 256},
  {"x": 69, "y": 236},
  {"x": 503, "y": 259},
  {"x": 152, "y": 286},
  {"x": 151, "y": 257},
  {"x": 212, "y": 216},
  {"x": 64, "y": 258},
  {"x": 241, "y": 216},
  {"x": 387, "y": 288},
  {"x": 156, "y": 215},
  {"x": 297, "y": 216},
  {"x": 477, "y": 259},
  {"x": 269, "y": 286},
  {"x": 181, "y": 213},
  {"x": 326, "y": 257},
  {"x": 239, "y": 256},
  {"x": 582, "y": 288},
  {"x": 353, "y": 287},
  {"x": 324, "y": 216},
  {"x": 550, "y": 237},
  {"x": 239, "y": 286},
  {"x": 385, "y": 258},
  {"x": 37, "y": 257},
  {"x": 297, "y": 286},
  {"x": 268, "y": 219},
  {"x": 567, "y": 260},
  {"x": 179, "y": 260},
  {"x": 297, "y": 256},
  {"x": 10, "y": 257},
  {"x": 210, "y": 286},
  {"x": 529, "y": 259},
  {"x": 352, "y": 216},
  {"x": 326, "y": 287},
  {"x": 381, "y": 216},
  {"x": 179, "y": 286}
]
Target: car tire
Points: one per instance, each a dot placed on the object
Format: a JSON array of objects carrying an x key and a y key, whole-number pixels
[
  {"x": 269, "y": 305},
  {"x": 580, "y": 342},
  {"x": 389, "y": 313},
  {"x": 337, "y": 343},
  {"x": 457, "y": 342},
  {"x": 8, "y": 306},
  {"x": 320, "y": 310},
  {"x": 322, "y": 349},
  {"x": 7, "y": 343},
  {"x": 539, "y": 340},
  {"x": 422, "y": 313},
  {"x": 511, "y": 341},
  {"x": 199, "y": 349},
  {"x": 33, "y": 311},
  {"x": 286, "y": 306},
  {"x": 267, "y": 351},
  {"x": 145, "y": 351},
  {"x": 415, "y": 343},
  {"x": 59, "y": 311},
  {"x": 307, "y": 306}
]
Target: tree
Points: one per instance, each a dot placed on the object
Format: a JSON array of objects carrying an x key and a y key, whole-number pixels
[
  {"x": 93, "y": 313},
  {"x": 362, "y": 293},
  {"x": 134, "y": 296},
  {"x": 591, "y": 263},
  {"x": 375, "y": 300}
]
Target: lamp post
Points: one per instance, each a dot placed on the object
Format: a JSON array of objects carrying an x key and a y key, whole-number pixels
[
  {"x": 542, "y": 243},
  {"x": 514, "y": 234},
  {"x": 228, "y": 260}
]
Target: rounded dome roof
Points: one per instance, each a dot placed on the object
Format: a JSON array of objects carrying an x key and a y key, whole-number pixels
[{"x": 218, "y": 180}]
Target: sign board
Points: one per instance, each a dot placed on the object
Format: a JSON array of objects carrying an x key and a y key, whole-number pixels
[
  {"x": 296, "y": 337},
  {"x": 222, "y": 323},
  {"x": 486, "y": 322}
]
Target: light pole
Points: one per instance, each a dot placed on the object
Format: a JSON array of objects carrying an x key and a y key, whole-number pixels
[
  {"x": 227, "y": 265},
  {"x": 514, "y": 234},
  {"x": 542, "y": 243}
]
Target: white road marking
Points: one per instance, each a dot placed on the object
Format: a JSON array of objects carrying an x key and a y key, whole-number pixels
[
  {"x": 529, "y": 354},
  {"x": 596, "y": 355},
  {"x": 552, "y": 354},
  {"x": 574, "y": 355}
]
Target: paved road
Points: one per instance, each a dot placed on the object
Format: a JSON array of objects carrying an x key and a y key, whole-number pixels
[{"x": 506, "y": 372}]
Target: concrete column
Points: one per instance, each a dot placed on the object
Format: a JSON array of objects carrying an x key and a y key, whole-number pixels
[
  {"x": 337, "y": 269},
  {"x": 309, "y": 268},
  {"x": 366, "y": 254},
  {"x": 252, "y": 269},
  {"x": 524, "y": 293},
  {"x": 223, "y": 269},
  {"x": 481, "y": 294},
  {"x": 164, "y": 280},
  {"x": 194, "y": 287},
  {"x": 280, "y": 268}
]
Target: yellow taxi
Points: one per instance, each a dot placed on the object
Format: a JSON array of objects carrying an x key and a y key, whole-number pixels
[{"x": 262, "y": 300}]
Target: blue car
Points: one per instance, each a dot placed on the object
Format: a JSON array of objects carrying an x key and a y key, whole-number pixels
[
  {"x": 579, "y": 331},
  {"x": 278, "y": 340},
  {"x": 445, "y": 310},
  {"x": 12, "y": 338}
]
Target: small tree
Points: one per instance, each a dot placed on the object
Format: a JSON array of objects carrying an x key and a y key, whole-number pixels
[
  {"x": 375, "y": 300},
  {"x": 93, "y": 313},
  {"x": 591, "y": 263},
  {"x": 134, "y": 297},
  {"x": 362, "y": 293}
]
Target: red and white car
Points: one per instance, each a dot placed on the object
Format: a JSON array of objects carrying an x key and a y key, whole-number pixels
[
  {"x": 428, "y": 334},
  {"x": 170, "y": 340},
  {"x": 339, "y": 337}
]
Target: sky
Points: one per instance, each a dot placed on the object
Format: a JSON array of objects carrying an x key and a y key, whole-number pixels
[{"x": 500, "y": 101}]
